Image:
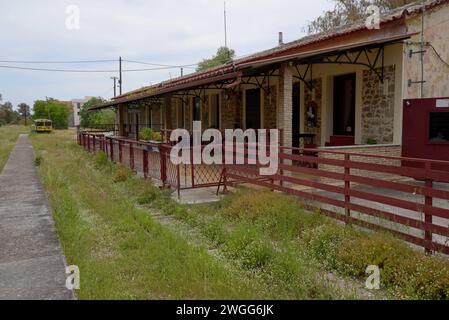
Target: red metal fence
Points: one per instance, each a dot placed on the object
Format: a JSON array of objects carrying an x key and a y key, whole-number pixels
[
  {"x": 152, "y": 160},
  {"x": 407, "y": 197}
]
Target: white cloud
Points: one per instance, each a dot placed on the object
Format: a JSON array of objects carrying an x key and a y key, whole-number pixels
[{"x": 167, "y": 32}]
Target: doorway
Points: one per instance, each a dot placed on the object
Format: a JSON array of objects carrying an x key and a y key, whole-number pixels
[
  {"x": 344, "y": 105},
  {"x": 252, "y": 109},
  {"x": 296, "y": 127}
]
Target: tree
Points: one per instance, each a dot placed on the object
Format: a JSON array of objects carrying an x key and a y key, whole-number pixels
[
  {"x": 349, "y": 11},
  {"x": 24, "y": 111},
  {"x": 94, "y": 119},
  {"x": 54, "y": 110},
  {"x": 222, "y": 56},
  {"x": 7, "y": 114}
]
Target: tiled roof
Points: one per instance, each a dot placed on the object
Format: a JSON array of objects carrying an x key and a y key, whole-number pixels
[{"x": 396, "y": 14}]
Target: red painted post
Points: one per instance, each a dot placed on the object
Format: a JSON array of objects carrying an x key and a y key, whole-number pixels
[
  {"x": 281, "y": 150},
  {"x": 131, "y": 155},
  {"x": 192, "y": 168},
  {"x": 145, "y": 163},
  {"x": 88, "y": 142},
  {"x": 103, "y": 145},
  {"x": 163, "y": 161},
  {"x": 428, "y": 218},
  {"x": 94, "y": 142},
  {"x": 347, "y": 187},
  {"x": 111, "y": 143},
  {"x": 178, "y": 182},
  {"x": 120, "y": 151}
]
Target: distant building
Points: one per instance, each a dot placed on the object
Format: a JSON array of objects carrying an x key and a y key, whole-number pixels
[{"x": 76, "y": 105}]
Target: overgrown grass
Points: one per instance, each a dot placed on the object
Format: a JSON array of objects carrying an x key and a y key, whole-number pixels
[
  {"x": 121, "y": 251},
  {"x": 8, "y": 138},
  {"x": 270, "y": 231},
  {"x": 264, "y": 244}
]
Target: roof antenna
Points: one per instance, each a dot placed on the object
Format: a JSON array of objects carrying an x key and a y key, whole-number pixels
[{"x": 225, "y": 26}]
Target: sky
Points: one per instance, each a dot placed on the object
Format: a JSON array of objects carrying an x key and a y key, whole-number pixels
[{"x": 167, "y": 32}]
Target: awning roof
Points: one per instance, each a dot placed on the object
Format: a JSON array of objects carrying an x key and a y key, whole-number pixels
[
  {"x": 236, "y": 74},
  {"x": 299, "y": 50}
]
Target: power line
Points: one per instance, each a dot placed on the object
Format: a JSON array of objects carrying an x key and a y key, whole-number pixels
[
  {"x": 161, "y": 65},
  {"x": 97, "y": 61},
  {"x": 439, "y": 55},
  {"x": 56, "y": 62},
  {"x": 85, "y": 71}
]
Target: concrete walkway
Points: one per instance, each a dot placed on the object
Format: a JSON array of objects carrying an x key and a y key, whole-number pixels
[{"x": 32, "y": 265}]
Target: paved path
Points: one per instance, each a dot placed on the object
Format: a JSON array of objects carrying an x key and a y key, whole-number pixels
[{"x": 32, "y": 265}]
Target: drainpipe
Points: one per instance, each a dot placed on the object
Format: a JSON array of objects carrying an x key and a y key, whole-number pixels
[{"x": 422, "y": 48}]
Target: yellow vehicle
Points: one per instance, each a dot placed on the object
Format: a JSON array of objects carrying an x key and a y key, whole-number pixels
[{"x": 42, "y": 125}]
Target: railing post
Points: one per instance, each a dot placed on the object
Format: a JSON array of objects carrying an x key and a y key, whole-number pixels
[
  {"x": 120, "y": 151},
  {"x": 178, "y": 182},
  {"x": 131, "y": 155},
  {"x": 103, "y": 145},
  {"x": 347, "y": 188},
  {"x": 145, "y": 163},
  {"x": 428, "y": 218},
  {"x": 111, "y": 142},
  {"x": 88, "y": 142},
  {"x": 163, "y": 164},
  {"x": 192, "y": 168},
  {"x": 281, "y": 161}
]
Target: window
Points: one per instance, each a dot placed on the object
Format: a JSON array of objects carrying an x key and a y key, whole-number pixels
[
  {"x": 196, "y": 109},
  {"x": 439, "y": 127}
]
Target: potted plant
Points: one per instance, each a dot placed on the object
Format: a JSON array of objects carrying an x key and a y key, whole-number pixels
[{"x": 148, "y": 135}]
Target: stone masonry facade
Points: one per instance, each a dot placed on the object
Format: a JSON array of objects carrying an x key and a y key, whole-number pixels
[{"x": 378, "y": 106}]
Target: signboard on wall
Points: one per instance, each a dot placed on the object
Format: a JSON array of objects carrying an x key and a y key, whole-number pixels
[{"x": 442, "y": 103}]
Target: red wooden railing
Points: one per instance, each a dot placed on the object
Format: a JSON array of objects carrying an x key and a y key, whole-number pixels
[{"x": 407, "y": 197}]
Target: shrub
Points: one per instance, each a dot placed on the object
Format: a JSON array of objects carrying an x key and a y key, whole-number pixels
[
  {"x": 146, "y": 134},
  {"x": 430, "y": 279},
  {"x": 101, "y": 160},
  {"x": 323, "y": 242},
  {"x": 38, "y": 161},
  {"x": 121, "y": 174},
  {"x": 278, "y": 215}
]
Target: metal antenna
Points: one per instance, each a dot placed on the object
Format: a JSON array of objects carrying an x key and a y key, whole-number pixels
[{"x": 225, "y": 26}]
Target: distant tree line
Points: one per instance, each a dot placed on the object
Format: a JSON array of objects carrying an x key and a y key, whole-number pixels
[
  {"x": 10, "y": 116},
  {"x": 57, "y": 111}
]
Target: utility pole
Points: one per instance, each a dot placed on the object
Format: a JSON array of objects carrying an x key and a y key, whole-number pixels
[
  {"x": 115, "y": 85},
  {"x": 120, "y": 75},
  {"x": 26, "y": 115}
]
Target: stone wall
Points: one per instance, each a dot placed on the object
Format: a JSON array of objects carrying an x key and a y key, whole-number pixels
[
  {"x": 378, "y": 106},
  {"x": 308, "y": 97},
  {"x": 231, "y": 110},
  {"x": 270, "y": 107}
]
